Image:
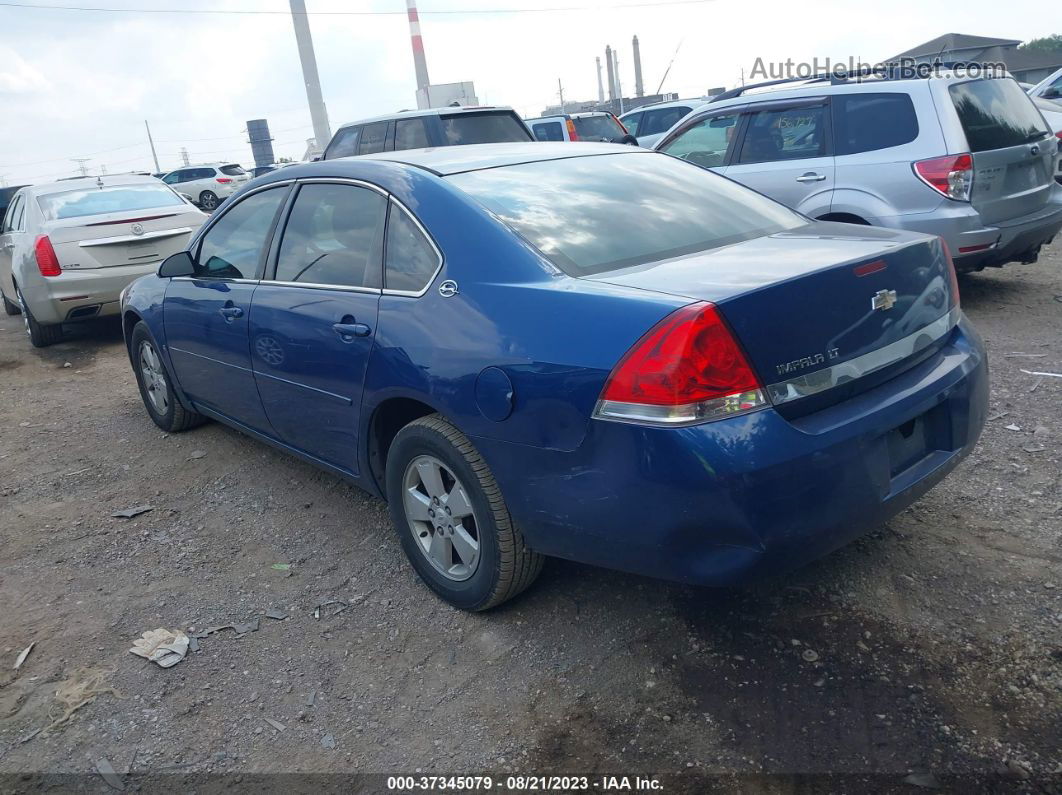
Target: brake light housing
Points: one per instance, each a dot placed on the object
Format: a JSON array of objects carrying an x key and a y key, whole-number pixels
[
  {"x": 224, "y": 180},
  {"x": 572, "y": 134},
  {"x": 951, "y": 175},
  {"x": 688, "y": 369},
  {"x": 47, "y": 261}
]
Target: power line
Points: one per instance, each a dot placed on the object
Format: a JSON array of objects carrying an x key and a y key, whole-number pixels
[{"x": 288, "y": 13}]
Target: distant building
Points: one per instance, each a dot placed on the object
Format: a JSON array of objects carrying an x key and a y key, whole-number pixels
[{"x": 1026, "y": 66}]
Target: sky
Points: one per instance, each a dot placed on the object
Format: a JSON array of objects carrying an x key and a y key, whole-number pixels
[{"x": 81, "y": 84}]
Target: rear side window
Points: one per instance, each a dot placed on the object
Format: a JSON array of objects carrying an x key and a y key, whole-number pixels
[
  {"x": 344, "y": 144},
  {"x": 411, "y": 134},
  {"x": 548, "y": 131},
  {"x": 599, "y": 128},
  {"x": 632, "y": 123},
  {"x": 232, "y": 170},
  {"x": 662, "y": 120},
  {"x": 411, "y": 259},
  {"x": 867, "y": 122},
  {"x": 96, "y": 201},
  {"x": 789, "y": 134},
  {"x": 202, "y": 173},
  {"x": 483, "y": 128},
  {"x": 578, "y": 211},
  {"x": 232, "y": 248},
  {"x": 996, "y": 114},
  {"x": 333, "y": 236},
  {"x": 373, "y": 137}
]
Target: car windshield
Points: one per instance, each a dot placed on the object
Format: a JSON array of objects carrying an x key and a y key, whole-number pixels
[
  {"x": 97, "y": 201},
  {"x": 996, "y": 114},
  {"x": 600, "y": 213},
  {"x": 483, "y": 128},
  {"x": 602, "y": 127}
]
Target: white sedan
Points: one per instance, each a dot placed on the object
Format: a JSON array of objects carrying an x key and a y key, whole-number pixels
[{"x": 69, "y": 248}]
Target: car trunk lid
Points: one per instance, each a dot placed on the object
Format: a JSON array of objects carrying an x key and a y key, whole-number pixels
[
  {"x": 820, "y": 306},
  {"x": 123, "y": 238}
]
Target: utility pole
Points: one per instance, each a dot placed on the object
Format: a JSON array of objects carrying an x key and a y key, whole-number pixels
[
  {"x": 184, "y": 155},
  {"x": 322, "y": 133},
  {"x": 81, "y": 164},
  {"x": 561, "y": 93},
  {"x": 150, "y": 141}
]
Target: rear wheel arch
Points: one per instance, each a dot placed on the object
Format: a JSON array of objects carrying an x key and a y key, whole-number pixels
[{"x": 391, "y": 416}]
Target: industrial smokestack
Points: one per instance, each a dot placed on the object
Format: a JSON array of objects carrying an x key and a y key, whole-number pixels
[
  {"x": 600, "y": 86},
  {"x": 322, "y": 133},
  {"x": 639, "y": 89},
  {"x": 419, "y": 62},
  {"x": 610, "y": 68}
]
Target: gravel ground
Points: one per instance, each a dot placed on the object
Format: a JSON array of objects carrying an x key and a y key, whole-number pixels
[{"x": 931, "y": 647}]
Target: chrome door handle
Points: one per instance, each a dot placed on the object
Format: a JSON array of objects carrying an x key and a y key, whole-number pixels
[{"x": 811, "y": 176}]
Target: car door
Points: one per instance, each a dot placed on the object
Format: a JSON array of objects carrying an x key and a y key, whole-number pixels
[
  {"x": 312, "y": 322},
  {"x": 786, "y": 153},
  {"x": 8, "y": 235},
  {"x": 206, "y": 314}
]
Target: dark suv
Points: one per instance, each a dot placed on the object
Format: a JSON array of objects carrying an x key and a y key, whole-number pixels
[{"x": 416, "y": 129}]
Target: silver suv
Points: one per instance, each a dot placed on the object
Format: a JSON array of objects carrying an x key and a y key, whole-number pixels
[{"x": 969, "y": 160}]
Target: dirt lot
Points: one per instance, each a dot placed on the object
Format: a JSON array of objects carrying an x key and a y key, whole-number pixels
[{"x": 931, "y": 647}]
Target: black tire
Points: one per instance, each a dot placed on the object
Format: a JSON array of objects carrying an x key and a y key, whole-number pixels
[
  {"x": 41, "y": 334},
  {"x": 506, "y": 565},
  {"x": 10, "y": 308},
  {"x": 171, "y": 416},
  {"x": 208, "y": 201}
]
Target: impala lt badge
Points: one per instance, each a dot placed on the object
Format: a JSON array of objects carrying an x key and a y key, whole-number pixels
[{"x": 883, "y": 299}]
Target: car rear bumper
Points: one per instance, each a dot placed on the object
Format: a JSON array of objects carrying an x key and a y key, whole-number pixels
[
  {"x": 81, "y": 294},
  {"x": 975, "y": 245},
  {"x": 718, "y": 503}
]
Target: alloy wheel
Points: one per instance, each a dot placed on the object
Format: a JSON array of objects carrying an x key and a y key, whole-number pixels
[
  {"x": 441, "y": 517},
  {"x": 155, "y": 385},
  {"x": 25, "y": 311}
]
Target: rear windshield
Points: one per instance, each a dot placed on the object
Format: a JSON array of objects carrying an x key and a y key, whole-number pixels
[
  {"x": 600, "y": 128},
  {"x": 996, "y": 114},
  {"x": 602, "y": 213},
  {"x": 232, "y": 171},
  {"x": 483, "y": 128},
  {"x": 97, "y": 201}
]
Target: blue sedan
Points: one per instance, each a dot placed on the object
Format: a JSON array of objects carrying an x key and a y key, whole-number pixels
[{"x": 599, "y": 353}]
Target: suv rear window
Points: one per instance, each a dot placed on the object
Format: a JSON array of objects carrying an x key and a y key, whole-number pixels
[
  {"x": 578, "y": 211},
  {"x": 483, "y": 128},
  {"x": 96, "y": 201},
  {"x": 996, "y": 114},
  {"x": 600, "y": 128},
  {"x": 867, "y": 122},
  {"x": 231, "y": 170}
]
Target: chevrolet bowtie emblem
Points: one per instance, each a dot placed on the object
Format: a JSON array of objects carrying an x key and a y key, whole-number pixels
[{"x": 883, "y": 299}]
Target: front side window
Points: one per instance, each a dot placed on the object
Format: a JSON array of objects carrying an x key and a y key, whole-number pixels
[
  {"x": 172, "y": 179},
  {"x": 114, "y": 199},
  {"x": 483, "y": 128},
  {"x": 232, "y": 248},
  {"x": 548, "y": 131},
  {"x": 996, "y": 114},
  {"x": 410, "y": 134},
  {"x": 790, "y": 134},
  {"x": 333, "y": 237},
  {"x": 9, "y": 218},
  {"x": 373, "y": 137},
  {"x": 632, "y": 123},
  {"x": 344, "y": 144},
  {"x": 579, "y": 211},
  {"x": 868, "y": 122},
  {"x": 706, "y": 142},
  {"x": 411, "y": 259},
  {"x": 663, "y": 119}
]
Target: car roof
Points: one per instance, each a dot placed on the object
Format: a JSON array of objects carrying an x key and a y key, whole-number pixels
[
  {"x": 109, "y": 181},
  {"x": 409, "y": 114},
  {"x": 446, "y": 160}
]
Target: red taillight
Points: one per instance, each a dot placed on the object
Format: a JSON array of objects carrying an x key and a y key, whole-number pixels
[
  {"x": 686, "y": 369},
  {"x": 572, "y": 134},
  {"x": 1058, "y": 135},
  {"x": 951, "y": 175},
  {"x": 952, "y": 274},
  {"x": 47, "y": 262},
  {"x": 224, "y": 180}
]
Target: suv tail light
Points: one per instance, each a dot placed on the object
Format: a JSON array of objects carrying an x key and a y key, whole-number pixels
[
  {"x": 686, "y": 370},
  {"x": 224, "y": 180},
  {"x": 47, "y": 262},
  {"x": 572, "y": 134},
  {"x": 954, "y": 276},
  {"x": 951, "y": 175}
]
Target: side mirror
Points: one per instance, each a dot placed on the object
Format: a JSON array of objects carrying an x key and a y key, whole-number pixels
[{"x": 179, "y": 264}]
